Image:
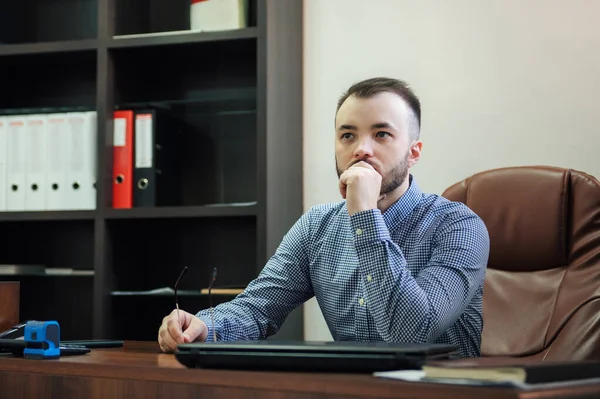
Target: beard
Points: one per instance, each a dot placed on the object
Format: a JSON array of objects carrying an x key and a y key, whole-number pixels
[{"x": 391, "y": 180}]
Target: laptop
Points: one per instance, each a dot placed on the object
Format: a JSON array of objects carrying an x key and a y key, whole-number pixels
[{"x": 336, "y": 356}]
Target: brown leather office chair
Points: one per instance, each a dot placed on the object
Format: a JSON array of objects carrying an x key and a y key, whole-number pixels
[{"x": 542, "y": 290}]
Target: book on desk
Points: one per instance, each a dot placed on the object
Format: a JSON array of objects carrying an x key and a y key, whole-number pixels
[
  {"x": 522, "y": 370},
  {"x": 500, "y": 370}
]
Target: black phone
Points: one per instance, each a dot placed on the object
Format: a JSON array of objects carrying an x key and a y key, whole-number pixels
[
  {"x": 73, "y": 350},
  {"x": 94, "y": 343}
]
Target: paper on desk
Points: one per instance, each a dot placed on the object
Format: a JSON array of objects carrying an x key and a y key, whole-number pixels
[
  {"x": 406, "y": 375},
  {"x": 419, "y": 376}
]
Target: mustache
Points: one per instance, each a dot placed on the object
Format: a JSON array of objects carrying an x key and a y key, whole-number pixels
[{"x": 365, "y": 160}]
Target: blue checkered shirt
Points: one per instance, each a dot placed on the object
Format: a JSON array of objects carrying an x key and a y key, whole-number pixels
[{"x": 413, "y": 273}]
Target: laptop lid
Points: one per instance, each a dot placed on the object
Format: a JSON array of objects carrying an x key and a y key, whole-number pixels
[{"x": 334, "y": 356}]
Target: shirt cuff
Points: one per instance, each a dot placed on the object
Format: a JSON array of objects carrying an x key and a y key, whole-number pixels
[
  {"x": 369, "y": 227},
  {"x": 206, "y": 319}
]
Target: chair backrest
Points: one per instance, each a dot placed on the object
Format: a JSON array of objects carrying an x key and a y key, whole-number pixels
[{"x": 542, "y": 289}]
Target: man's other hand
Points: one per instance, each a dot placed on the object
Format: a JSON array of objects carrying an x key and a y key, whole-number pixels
[{"x": 174, "y": 331}]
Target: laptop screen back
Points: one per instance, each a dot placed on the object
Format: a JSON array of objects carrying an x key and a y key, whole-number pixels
[{"x": 343, "y": 356}]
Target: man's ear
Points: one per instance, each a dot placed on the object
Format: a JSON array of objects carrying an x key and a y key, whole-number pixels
[{"x": 414, "y": 153}]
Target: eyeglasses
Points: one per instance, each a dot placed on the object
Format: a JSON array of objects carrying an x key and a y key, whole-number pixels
[
  {"x": 175, "y": 289},
  {"x": 212, "y": 281}
]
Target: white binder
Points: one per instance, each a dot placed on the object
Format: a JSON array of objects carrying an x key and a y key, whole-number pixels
[
  {"x": 56, "y": 189},
  {"x": 35, "y": 176},
  {"x": 90, "y": 161},
  {"x": 81, "y": 158},
  {"x": 3, "y": 162},
  {"x": 17, "y": 163}
]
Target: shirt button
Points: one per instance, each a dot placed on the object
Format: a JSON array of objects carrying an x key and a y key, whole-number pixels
[
  {"x": 361, "y": 301},
  {"x": 358, "y": 232},
  {"x": 369, "y": 278}
]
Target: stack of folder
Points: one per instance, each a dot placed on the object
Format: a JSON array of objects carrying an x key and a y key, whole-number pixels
[
  {"x": 48, "y": 161},
  {"x": 145, "y": 159}
]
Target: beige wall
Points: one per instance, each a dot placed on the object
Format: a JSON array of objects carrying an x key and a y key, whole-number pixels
[{"x": 501, "y": 82}]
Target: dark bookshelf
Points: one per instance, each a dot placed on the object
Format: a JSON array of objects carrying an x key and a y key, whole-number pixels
[
  {"x": 239, "y": 95},
  {"x": 49, "y": 79},
  {"x": 49, "y": 47},
  {"x": 48, "y": 20},
  {"x": 41, "y": 216},
  {"x": 180, "y": 37},
  {"x": 183, "y": 212}
]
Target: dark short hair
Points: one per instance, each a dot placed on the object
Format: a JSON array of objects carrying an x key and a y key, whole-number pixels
[{"x": 371, "y": 87}]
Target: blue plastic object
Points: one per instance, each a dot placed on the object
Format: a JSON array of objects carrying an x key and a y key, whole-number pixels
[{"x": 42, "y": 339}]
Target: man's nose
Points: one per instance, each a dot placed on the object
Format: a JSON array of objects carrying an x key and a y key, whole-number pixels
[{"x": 364, "y": 149}]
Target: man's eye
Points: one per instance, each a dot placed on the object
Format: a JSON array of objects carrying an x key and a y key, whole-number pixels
[
  {"x": 346, "y": 136},
  {"x": 382, "y": 134}
]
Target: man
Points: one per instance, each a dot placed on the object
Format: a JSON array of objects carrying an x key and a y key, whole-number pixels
[{"x": 389, "y": 263}]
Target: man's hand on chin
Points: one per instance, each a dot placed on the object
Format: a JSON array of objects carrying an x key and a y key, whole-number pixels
[{"x": 360, "y": 185}]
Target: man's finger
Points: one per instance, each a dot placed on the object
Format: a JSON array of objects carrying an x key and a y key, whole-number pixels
[
  {"x": 167, "y": 342},
  {"x": 182, "y": 317},
  {"x": 190, "y": 334},
  {"x": 174, "y": 329}
]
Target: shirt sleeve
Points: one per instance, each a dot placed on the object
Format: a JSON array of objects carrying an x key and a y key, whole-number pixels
[
  {"x": 420, "y": 308},
  {"x": 281, "y": 286}
]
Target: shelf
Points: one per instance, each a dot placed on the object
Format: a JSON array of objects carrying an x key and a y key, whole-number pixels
[
  {"x": 180, "y": 37},
  {"x": 74, "y": 273},
  {"x": 48, "y": 47},
  {"x": 39, "y": 21},
  {"x": 238, "y": 100},
  {"x": 167, "y": 291},
  {"x": 46, "y": 216},
  {"x": 183, "y": 212}
]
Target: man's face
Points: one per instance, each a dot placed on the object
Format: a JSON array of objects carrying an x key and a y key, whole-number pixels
[{"x": 375, "y": 130}]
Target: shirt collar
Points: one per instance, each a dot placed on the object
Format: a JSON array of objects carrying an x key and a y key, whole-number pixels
[{"x": 404, "y": 206}]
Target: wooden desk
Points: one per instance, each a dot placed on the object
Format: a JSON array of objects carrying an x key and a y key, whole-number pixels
[{"x": 139, "y": 370}]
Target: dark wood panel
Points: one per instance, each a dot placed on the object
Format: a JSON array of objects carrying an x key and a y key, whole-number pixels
[
  {"x": 182, "y": 212},
  {"x": 280, "y": 147},
  {"x": 47, "y": 20},
  {"x": 149, "y": 254},
  {"x": 66, "y": 299},
  {"x": 67, "y": 79},
  {"x": 29, "y": 216},
  {"x": 47, "y": 243},
  {"x": 150, "y": 310},
  {"x": 103, "y": 281},
  {"x": 140, "y": 370},
  {"x": 10, "y": 292},
  {"x": 179, "y": 37},
  {"x": 48, "y": 47},
  {"x": 40, "y": 386},
  {"x": 181, "y": 72}
]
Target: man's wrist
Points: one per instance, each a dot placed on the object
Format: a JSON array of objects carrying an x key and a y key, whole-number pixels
[
  {"x": 354, "y": 209},
  {"x": 368, "y": 226},
  {"x": 209, "y": 328}
]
